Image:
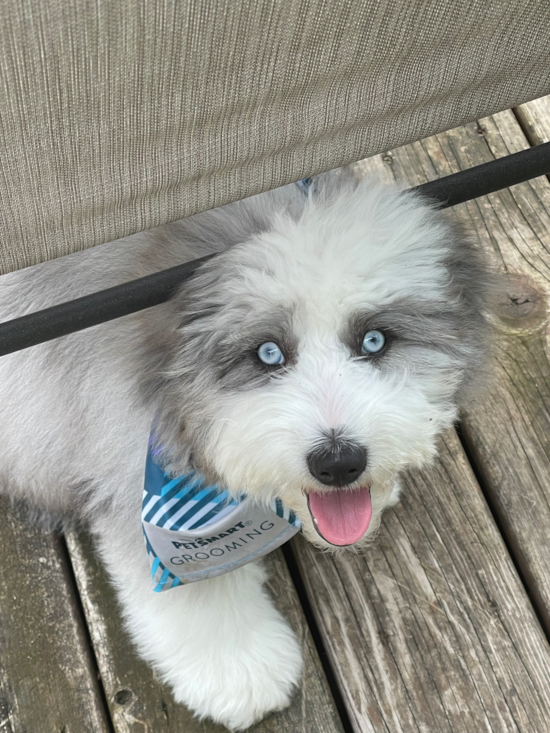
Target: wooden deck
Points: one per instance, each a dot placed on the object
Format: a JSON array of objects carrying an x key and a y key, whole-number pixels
[{"x": 442, "y": 627}]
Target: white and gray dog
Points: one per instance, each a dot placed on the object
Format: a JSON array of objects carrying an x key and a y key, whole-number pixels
[{"x": 316, "y": 357}]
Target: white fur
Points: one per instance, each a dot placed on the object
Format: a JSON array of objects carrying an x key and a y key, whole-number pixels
[{"x": 75, "y": 419}]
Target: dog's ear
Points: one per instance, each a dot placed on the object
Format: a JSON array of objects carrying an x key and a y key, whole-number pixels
[{"x": 474, "y": 288}]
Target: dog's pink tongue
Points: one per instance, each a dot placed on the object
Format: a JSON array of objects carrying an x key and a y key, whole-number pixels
[{"x": 342, "y": 516}]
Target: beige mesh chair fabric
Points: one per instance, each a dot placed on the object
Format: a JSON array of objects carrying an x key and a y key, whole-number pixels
[{"x": 119, "y": 115}]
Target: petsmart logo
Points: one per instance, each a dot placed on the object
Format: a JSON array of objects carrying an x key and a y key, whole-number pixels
[
  {"x": 202, "y": 541},
  {"x": 220, "y": 548}
]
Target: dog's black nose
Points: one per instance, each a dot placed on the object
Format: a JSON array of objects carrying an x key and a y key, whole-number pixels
[{"x": 338, "y": 465}]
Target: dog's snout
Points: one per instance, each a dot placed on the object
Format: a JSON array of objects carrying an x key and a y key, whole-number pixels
[{"x": 339, "y": 465}]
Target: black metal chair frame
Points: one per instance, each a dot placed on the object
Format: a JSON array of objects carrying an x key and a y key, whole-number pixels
[{"x": 105, "y": 305}]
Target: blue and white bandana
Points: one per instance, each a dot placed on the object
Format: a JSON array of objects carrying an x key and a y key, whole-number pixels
[{"x": 195, "y": 531}]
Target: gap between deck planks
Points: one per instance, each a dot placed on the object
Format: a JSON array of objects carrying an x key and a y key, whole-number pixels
[
  {"x": 48, "y": 683},
  {"x": 431, "y": 630},
  {"x": 138, "y": 702},
  {"x": 48, "y": 679},
  {"x": 508, "y": 435}
]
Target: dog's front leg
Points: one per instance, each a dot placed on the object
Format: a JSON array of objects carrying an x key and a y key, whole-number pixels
[{"x": 220, "y": 643}]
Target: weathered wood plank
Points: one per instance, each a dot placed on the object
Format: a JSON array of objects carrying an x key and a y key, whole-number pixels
[
  {"x": 139, "y": 702},
  {"x": 508, "y": 432},
  {"x": 431, "y": 630},
  {"x": 535, "y": 118},
  {"x": 510, "y": 438},
  {"x": 47, "y": 680},
  {"x": 433, "y": 622}
]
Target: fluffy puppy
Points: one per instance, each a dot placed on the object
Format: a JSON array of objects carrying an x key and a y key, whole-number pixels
[{"x": 316, "y": 357}]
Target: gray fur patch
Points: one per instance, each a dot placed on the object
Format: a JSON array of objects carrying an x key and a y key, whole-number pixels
[
  {"x": 222, "y": 338},
  {"x": 455, "y": 325}
]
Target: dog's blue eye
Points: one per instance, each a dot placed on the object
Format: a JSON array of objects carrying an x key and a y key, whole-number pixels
[
  {"x": 373, "y": 342},
  {"x": 271, "y": 354}
]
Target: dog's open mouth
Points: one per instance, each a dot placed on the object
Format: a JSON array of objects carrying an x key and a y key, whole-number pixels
[{"x": 341, "y": 516}]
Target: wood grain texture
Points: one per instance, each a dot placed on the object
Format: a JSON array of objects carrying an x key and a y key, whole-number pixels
[
  {"x": 139, "y": 703},
  {"x": 509, "y": 435},
  {"x": 47, "y": 680},
  {"x": 508, "y": 430},
  {"x": 431, "y": 631},
  {"x": 535, "y": 119}
]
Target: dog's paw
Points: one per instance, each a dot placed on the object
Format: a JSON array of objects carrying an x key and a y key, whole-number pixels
[{"x": 239, "y": 684}]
